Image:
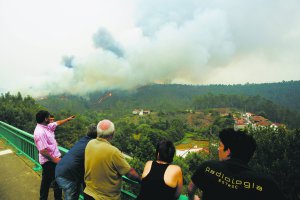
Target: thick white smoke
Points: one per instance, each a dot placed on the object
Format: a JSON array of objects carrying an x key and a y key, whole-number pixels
[{"x": 175, "y": 41}]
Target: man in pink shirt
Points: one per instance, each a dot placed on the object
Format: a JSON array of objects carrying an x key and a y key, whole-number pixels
[{"x": 49, "y": 154}]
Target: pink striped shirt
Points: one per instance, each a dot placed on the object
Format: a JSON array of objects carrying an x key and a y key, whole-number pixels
[{"x": 44, "y": 138}]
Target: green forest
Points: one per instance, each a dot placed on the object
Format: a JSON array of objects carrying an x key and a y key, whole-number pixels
[
  {"x": 183, "y": 114},
  {"x": 158, "y": 96}
]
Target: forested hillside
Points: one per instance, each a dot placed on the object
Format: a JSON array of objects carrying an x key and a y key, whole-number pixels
[
  {"x": 279, "y": 102},
  {"x": 176, "y": 96},
  {"x": 286, "y": 94},
  {"x": 208, "y": 113}
]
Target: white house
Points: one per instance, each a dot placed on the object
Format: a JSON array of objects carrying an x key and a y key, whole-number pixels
[{"x": 184, "y": 152}]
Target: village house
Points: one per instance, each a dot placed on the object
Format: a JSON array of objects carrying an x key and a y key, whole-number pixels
[
  {"x": 240, "y": 124},
  {"x": 257, "y": 118},
  {"x": 183, "y": 150},
  {"x": 254, "y": 121},
  {"x": 141, "y": 112},
  {"x": 135, "y": 111},
  {"x": 276, "y": 125}
]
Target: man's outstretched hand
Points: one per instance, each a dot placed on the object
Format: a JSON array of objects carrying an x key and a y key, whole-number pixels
[{"x": 70, "y": 118}]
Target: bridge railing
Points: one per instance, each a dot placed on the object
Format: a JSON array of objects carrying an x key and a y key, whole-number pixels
[{"x": 24, "y": 143}]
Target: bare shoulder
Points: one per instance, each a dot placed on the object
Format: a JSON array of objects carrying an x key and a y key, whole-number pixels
[
  {"x": 147, "y": 168},
  {"x": 174, "y": 169},
  {"x": 173, "y": 175},
  {"x": 148, "y": 163}
]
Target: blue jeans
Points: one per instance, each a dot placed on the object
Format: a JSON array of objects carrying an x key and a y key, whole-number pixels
[{"x": 71, "y": 189}]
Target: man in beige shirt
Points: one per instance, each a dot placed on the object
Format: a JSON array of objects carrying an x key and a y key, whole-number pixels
[{"x": 105, "y": 165}]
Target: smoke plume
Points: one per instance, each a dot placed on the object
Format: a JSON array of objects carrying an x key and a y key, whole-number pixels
[
  {"x": 193, "y": 42},
  {"x": 103, "y": 39},
  {"x": 68, "y": 61}
]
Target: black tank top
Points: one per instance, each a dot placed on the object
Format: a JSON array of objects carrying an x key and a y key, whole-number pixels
[{"x": 153, "y": 185}]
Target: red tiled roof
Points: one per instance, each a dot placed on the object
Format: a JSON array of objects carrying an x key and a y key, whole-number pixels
[
  {"x": 240, "y": 122},
  {"x": 258, "y": 118},
  {"x": 264, "y": 123}
]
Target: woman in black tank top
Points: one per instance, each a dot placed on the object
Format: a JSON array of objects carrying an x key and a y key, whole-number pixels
[{"x": 154, "y": 183}]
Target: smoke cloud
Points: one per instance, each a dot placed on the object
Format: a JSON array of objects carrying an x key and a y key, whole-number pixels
[
  {"x": 103, "y": 39},
  {"x": 192, "y": 42},
  {"x": 68, "y": 61}
]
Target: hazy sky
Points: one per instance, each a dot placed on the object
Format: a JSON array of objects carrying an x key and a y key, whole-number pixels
[{"x": 81, "y": 46}]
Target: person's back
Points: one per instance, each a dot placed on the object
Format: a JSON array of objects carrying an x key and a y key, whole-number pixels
[
  {"x": 234, "y": 180},
  {"x": 102, "y": 175},
  {"x": 160, "y": 180},
  {"x": 154, "y": 185},
  {"x": 105, "y": 165},
  {"x": 69, "y": 172},
  {"x": 71, "y": 166},
  {"x": 231, "y": 178}
]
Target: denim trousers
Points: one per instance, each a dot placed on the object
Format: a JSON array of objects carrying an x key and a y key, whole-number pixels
[
  {"x": 71, "y": 189},
  {"x": 48, "y": 176}
]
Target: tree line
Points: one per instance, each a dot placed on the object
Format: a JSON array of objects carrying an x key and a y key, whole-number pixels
[
  {"x": 158, "y": 96},
  {"x": 277, "y": 153}
]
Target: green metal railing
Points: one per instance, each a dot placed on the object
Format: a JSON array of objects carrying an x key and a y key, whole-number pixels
[{"x": 24, "y": 143}]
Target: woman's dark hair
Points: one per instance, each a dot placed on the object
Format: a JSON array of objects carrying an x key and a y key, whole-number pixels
[
  {"x": 242, "y": 146},
  {"x": 165, "y": 151},
  {"x": 41, "y": 116}
]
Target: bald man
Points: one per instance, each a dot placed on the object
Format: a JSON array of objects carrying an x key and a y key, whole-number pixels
[{"x": 105, "y": 165}]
